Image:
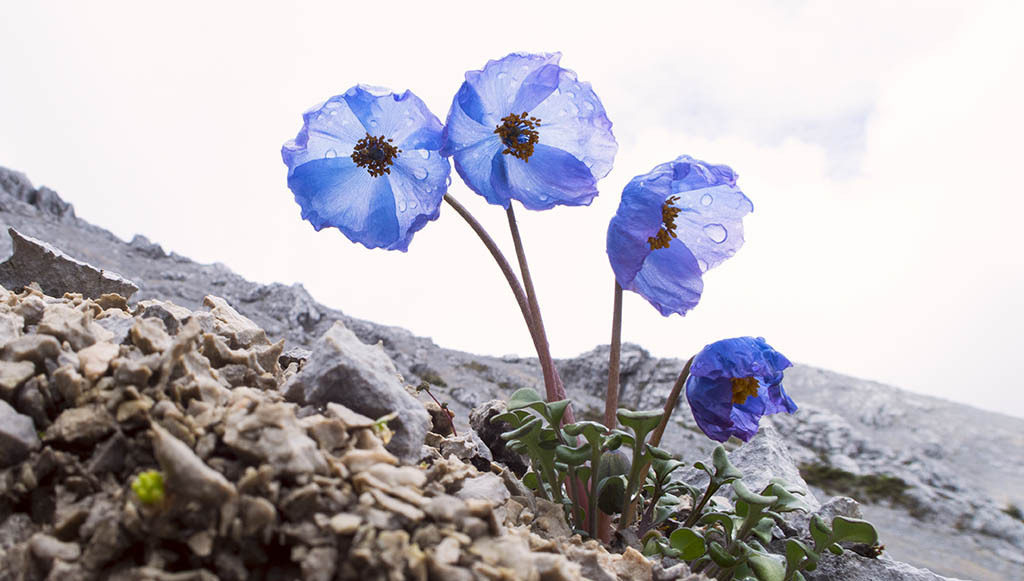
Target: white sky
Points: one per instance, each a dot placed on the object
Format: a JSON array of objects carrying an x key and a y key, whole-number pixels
[{"x": 878, "y": 141}]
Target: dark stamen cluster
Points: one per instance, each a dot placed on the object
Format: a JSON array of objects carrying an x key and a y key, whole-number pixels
[
  {"x": 376, "y": 154},
  {"x": 519, "y": 134},
  {"x": 668, "y": 229}
]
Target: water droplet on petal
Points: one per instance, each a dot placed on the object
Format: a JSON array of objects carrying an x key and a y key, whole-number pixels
[
  {"x": 373, "y": 122},
  {"x": 424, "y": 153},
  {"x": 409, "y": 122},
  {"x": 412, "y": 204},
  {"x": 401, "y": 206},
  {"x": 703, "y": 265},
  {"x": 588, "y": 105},
  {"x": 502, "y": 75},
  {"x": 420, "y": 173},
  {"x": 570, "y": 94},
  {"x": 716, "y": 232},
  {"x": 706, "y": 200},
  {"x": 330, "y": 154}
]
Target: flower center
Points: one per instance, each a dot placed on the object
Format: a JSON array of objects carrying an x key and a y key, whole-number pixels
[
  {"x": 668, "y": 225},
  {"x": 519, "y": 134},
  {"x": 376, "y": 154},
  {"x": 742, "y": 388}
]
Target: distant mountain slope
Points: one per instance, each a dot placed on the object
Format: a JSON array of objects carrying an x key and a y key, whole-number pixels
[{"x": 935, "y": 475}]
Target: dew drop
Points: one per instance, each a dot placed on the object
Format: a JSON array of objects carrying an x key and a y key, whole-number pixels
[
  {"x": 330, "y": 154},
  {"x": 588, "y": 105},
  {"x": 706, "y": 200},
  {"x": 502, "y": 75},
  {"x": 373, "y": 122},
  {"x": 412, "y": 204},
  {"x": 409, "y": 122},
  {"x": 703, "y": 265},
  {"x": 424, "y": 153},
  {"x": 716, "y": 232},
  {"x": 420, "y": 173},
  {"x": 570, "y": 94},
  {"x": 401, "y": 206}
]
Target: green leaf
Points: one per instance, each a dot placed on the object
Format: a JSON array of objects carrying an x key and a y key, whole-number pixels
[
  {"x": 574, "y": 456},
  {"x": 641, "y": 422},
  {"x": 820, "y": 532},
  {"x": 753, "y": 499},
  {"x": 853, "y": 530},
  {"x": 786, "y": 502},
  {"x": 835, "y": 549},
  {"x": 724, "y": 470},
  {"x": 721, "y": 518},
  {"x": 523, "y": 431},
  {"x": 763, "y": 530},
  {"x": 658, "y": 453},
  {"x": 530, "y": 480},
  {"x": 767, "y": 567},
  {"x": 591, "y": 431},
  {"x": 612, "y": 442},
  {"x": 798, "y": 576},
  {"x": 523, "y": 397},
  {"x": 704, "y": 467},
  {"x": 555, "y": 410},
  {"x": 720, "y": 556},
  {"x": 795, "y": 553},
  {"x": 688, "y": 542},
  {"x": 514, "y": 418}
]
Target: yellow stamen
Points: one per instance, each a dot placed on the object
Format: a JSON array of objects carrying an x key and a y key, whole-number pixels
[
  {"x": 668, "y": 229},
  {"x": 742, "y": 388},
  {"x": 519, "y": 134}
]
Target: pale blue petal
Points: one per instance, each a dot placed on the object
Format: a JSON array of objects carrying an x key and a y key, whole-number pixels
[
  {"x": 329, "y": 130},
  {"x": 551, "y": 177},
  {"x": 335, "y": 192},
  {"x": 670, "y": 280}
]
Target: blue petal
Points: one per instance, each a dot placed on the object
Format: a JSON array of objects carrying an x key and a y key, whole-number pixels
[
  {"x": 746, "y": 417},
  {"x": 478, "y": 161},
  {"x": 576, "y": 125},
  {"x": 536, "y": 87},
  {"x": 710, "y": 222},
  {"x": 499, "y": 83},
  {"x": 637, "y": 219},
  {"x": 395, "y": 116},
  {"x": 335, "y": 192},
  {"x": 329, "y": 130},
  {"x": 740, "y": 357},
  {"x": 573, "y": 119},
  {"x": 550, "y": 177},
  {"x": 776, "y": 400},
  {"x": 670, "y": 280},
  {"x": 419, "y": 180},
  {"x": 711, "y": 404}
]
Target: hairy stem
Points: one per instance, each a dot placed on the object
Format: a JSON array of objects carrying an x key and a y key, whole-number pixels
[
  {"x": 506, "y": 268},
  {"x": 611, "y": 400},
  {"x": 552, "y": 382}
]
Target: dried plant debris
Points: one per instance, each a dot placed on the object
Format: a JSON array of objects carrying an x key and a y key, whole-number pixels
[{"x": 156, "y": 442}]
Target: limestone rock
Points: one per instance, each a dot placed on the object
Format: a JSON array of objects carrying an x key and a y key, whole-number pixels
[
  {"x": 362, "y": 377},
  {"x": 57, "y": 273},
  {"x": 17, "y": 436}
]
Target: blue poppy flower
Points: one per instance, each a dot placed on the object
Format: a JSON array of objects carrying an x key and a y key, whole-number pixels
[
  {"x": 673, "y": 224},
  {"x": 524, "y": 128},
  {"x": 732, "y": 383},
  {"x": 367, "y": 163}
]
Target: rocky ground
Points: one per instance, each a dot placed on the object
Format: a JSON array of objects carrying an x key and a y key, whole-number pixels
[{"x": 931, "y": 478}]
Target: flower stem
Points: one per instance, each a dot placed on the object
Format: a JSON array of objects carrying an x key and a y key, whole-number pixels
[
  {"x": 670, "y": 403},
  {"x": 506, "y": 268},
  {"x": 552, "y": 382},
  {"x": 611, "y": 400}
]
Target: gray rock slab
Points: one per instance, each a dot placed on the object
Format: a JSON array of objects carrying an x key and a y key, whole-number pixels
[
  {"x": 344, "y": 370},
  {"x": 56, "y": 272},
  {"x": 17, "y": 436}
]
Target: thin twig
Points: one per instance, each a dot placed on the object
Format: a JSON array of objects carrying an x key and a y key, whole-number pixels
[{"x": 670, "y": 403}]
